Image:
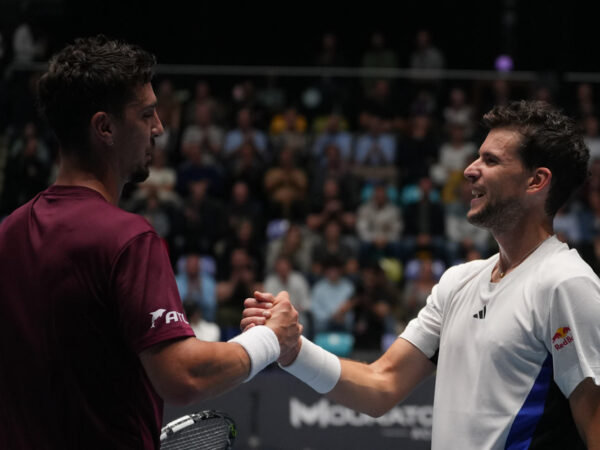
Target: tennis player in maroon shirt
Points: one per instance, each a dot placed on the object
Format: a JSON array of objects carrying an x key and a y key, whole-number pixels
[{"x": 93, "y": 336}]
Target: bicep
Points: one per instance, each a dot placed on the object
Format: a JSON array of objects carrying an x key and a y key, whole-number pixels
[
  {"x": 186, "y": 370},
  {"x": 585, "y": 407}
]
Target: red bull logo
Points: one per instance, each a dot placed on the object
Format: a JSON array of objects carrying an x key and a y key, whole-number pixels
[{"x": 562, "y": 337}]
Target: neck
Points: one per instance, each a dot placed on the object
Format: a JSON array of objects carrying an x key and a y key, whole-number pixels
[
  {"x": 518, "y": 244},
  {"x": 102, "y": 181}
]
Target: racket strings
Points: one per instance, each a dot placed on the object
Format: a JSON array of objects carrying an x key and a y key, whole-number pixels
[{"x": 206, "y": 434}]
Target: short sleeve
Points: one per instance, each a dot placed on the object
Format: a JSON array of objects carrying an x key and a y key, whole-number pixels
[
  {"x": 148, "y": 304},
  {"x": 573, "y": 333}
]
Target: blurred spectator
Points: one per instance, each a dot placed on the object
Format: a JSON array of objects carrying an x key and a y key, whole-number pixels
[
  {"x": 240, "y": 283},
  {"x": 204, "y": 330},
  {"x": 285, "y": 278},
  {"x": 331, "y": 243},
  {"x": 584, "y": 102},
  {"x": 248, "y": 167},
  {"x": 243, "y": 133},
  {"x": 424, "y": 223},
  {"x": 296, "y": 244},
  {"x": 332, "y": 90},
  {"x": 288, "y": 130},
  {"x": 243, "y": 206},
  {"x": 334, "y": 133},
  {"x": 375, "y": 152},
  {"x": 375, "y": 301},
  {"x": 379, "y": 101},
  {"x": 243, "y": 236},
  {"x": 202, "y": 95},
  {"x": 204, "y": 219},
  {"x": 28, "y": 134},
  {"x": 332, "y": 203},
  {"x": 454, "y": 153},
  {"x": 458, "y": 110},
  {"x": 27, "y": 47},
  {"x": 198, "y": 286},
  {"x": 202, "y": 131},
  {"x": 378, "y": 55},
  {"x": 379, "y": 226},
  {"x": 331, "y": 300},
  {"x": 425, "y": 55},
  {"x": 286, "y": 187},
  {"x": 156, "y": 213},
  {"x": 417, "y": 150},
  {"x": 272, "y": 96},
  {"x": 244, "y": 97},
  {"x": 195, "y": 168},
  {"x": 418, "y": 288}
]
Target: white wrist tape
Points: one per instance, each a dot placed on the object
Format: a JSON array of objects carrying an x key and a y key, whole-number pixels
[
  {"x": 315, "y": 366},
  {"x": 262, "y": 346}
]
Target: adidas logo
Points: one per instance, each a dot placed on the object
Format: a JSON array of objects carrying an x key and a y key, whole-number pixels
[{"x": 480, "y": 314}]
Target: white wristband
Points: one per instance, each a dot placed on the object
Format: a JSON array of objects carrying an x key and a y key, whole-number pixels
[
  {"x": 262, "y": 346},
  {"x": 315, "y": 366}
]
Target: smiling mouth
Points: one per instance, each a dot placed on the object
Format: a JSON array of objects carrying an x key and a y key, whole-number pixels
[{"x": 477, "y": 194}]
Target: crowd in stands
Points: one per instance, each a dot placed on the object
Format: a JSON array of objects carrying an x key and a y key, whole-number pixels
[{"x": 355, "y": 207}]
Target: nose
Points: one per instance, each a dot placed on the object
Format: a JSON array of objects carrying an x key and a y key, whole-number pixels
[
  {"x": 157, "y": 128},
  {"x": 471, "y": 173}
]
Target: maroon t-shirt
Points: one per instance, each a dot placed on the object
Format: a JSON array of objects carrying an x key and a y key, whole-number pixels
[{"x": 84, "y": 288}]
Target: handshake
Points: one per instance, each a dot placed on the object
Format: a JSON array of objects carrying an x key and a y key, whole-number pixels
[{"x": 271, "y": 332}]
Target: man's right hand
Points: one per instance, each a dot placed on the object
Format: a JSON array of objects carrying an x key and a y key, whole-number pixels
[{"x": 278, "y": 314}]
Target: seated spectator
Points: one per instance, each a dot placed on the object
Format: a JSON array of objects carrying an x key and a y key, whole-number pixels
[
  {"x": 243, "y": 206},
  {"x": 331, "y": 243},
  {"x": 197, "y": 286},
  {"x": 418, "y": 288},
  {"x": 331, "y": 204},
  {"x": 334, "y": 133},
  {"x": 375, "y": 152},
  {"x": 375, "y": 303},
  {"x": 284, "y": 278},
  {"x": 567, "y": 226},
  {"x": 379, "y": 226},
  {"x": 205, "y": 133},
  {"x": 239, "y": 283},
  {"x": 28, "y": 135},
  {"x": 331, "y": 300},
  {"x": 195, "y": 168},
  {"x": 202, "y": 95},
  {"x": 417, "y": 150},
  {"x": 296, "y": 244},
  {"x": 286, "y": 188},
  {"x": 459, "y": 111},
  {"x": 243, "y": 133},
  {"x": 204, "y": 219},
  {"x": 246, "y": 166},
  {"x": 288, "y": 130},
  {"x": 424, "y": 222},
  {"x": 204, "y": 330},
  {"x": 592, "y": 136},
  {"x": 243, "y": 236}
]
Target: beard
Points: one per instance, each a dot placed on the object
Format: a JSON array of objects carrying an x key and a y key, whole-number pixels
[
  {"x": 499, "y": 216},
  {"x": 140, "y": 174}
]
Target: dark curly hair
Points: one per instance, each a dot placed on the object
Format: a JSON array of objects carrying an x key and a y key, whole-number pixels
[
  {"x": 92, "y": 74},
  {"x": 551, "y": 140}
]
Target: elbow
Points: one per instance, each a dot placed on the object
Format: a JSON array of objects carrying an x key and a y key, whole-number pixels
[{"x": 183, "y": 392}]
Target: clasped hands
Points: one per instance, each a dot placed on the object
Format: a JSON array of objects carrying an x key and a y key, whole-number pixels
[{"x": 277, "y": 313}]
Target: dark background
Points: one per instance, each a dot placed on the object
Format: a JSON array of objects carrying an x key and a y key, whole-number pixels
[{"x": 541, "y": 36}]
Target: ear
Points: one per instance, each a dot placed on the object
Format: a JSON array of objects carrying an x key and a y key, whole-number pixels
[
  {"x": 540, "y": 179},
  {"x": 102, "y": 127}
]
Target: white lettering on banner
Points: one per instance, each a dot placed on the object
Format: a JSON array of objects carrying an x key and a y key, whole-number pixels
[{"x": 324, "y": 414}]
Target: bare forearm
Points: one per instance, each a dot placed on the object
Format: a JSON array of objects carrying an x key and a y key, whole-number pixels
[{"x": 192, "y": 370}]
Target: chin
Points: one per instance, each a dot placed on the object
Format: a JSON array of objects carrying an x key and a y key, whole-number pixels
[{"x": 140, "y": 175}]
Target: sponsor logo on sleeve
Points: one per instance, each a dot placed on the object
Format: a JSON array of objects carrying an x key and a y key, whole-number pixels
[
  {"x": 169, "y": 317},
  {"x": 562, "y": 337}
]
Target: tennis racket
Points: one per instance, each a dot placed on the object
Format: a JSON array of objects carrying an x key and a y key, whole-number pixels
[{"x": 205, "y": 430}]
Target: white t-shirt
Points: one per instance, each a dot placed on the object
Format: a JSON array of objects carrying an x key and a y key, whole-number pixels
[{"x": 510, "y": 353}]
